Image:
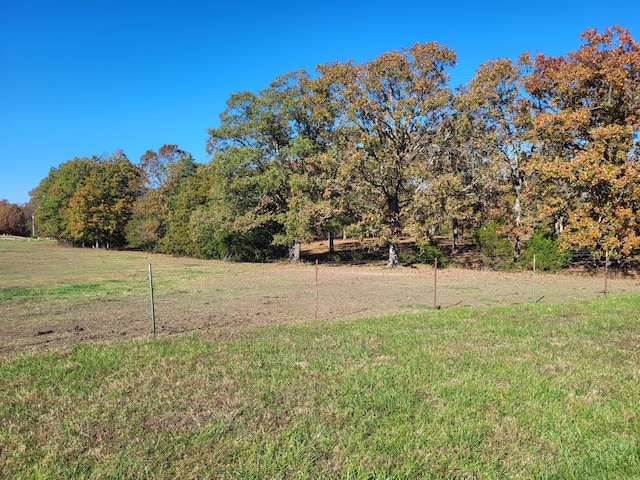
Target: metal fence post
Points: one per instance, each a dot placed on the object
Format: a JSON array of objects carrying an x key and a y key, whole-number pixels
[{"x": 153, "y": 310}]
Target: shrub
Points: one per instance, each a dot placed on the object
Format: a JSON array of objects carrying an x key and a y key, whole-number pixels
[
  {"x": 549, "y": 256},
  {"x": 425, "y": 251},
  {"x": 254, "y": 245},
  {"x": 428, "y": 254},
  {"x": 493, "y": 245}
]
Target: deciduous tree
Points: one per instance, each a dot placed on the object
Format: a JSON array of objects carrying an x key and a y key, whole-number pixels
[
  {"x": 496, "y": 99},
  {"x": 101, "y": 208},
  {"x": 184, "y": 229},
  {"x": 460, "y": 185},
  {"x": 161, "y": 173},
  {"x": 268, "y": 153},
  {"x": 50, "y": 199},
  {"x": 12, "y": 219},
  {"x": 388, "y": 123},
  {"x": 588, "y": 126}
]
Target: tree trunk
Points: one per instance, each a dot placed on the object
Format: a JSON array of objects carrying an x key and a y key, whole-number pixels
[
  {"x": 294, "y": 252},
  {"x": 393, "y": 204},
  {"x": 394, "y": 260},
  {"x": 456, "y": 236},
  {"x": 517, "y": 213},
  {"x": 331, "y": 247}
]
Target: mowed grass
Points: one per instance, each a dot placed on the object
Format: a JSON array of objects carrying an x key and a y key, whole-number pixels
[
  {"x": 42, "y": 269},
  {"x": 529, "y": 391}
]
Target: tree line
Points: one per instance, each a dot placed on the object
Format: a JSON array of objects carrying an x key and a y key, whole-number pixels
[{"x": 535, "y": 146}]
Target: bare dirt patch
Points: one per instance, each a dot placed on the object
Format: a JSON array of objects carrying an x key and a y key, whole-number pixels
[{"x": 68, "y": 296}]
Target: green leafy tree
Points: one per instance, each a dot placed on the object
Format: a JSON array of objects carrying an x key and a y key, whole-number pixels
[
  {"x": 50, "y": 199},
  {"x": 268, "y": 155},
  {"x": 494, "y": 247},
  {"x": 548, "y": 253},
  {"x": 101, "y": 208},
  {"x": 183, "y": 234}
]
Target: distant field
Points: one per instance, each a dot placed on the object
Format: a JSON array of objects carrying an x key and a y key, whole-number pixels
[{"x": 51, "y": 296}]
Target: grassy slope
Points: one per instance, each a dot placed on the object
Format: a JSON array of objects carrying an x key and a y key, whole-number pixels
[{"x": 544, "y": 391}]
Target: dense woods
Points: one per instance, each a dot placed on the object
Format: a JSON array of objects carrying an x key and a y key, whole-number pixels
[{"x": 534, "y": 149}]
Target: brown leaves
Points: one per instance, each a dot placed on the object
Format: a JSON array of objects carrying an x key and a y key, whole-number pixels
[
  {"x": 388, "y": 113},
  {"x": 12, "y": 219},
  {"x": 587, "y": 129}
]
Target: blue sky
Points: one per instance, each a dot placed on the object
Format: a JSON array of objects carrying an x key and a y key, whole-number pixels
[{"x": 83, "y": 78}]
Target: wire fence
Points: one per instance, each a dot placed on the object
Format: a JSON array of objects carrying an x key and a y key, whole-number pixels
[{"x": 219, "y": 298}]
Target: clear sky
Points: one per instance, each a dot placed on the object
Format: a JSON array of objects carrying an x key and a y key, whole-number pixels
[{"x": 83, "y": 78}]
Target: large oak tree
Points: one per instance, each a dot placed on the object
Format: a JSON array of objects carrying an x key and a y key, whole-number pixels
[
  {"x": 270, "y": 153},
  {"x": 101, "y": 208},
  {"x": 588, "y": 128},
  {"x": 496, "y": 102},
  {"x": 388, "y": 125}
]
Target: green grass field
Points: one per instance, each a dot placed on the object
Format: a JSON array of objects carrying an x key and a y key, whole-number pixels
[{"x": 544, "y": 391}]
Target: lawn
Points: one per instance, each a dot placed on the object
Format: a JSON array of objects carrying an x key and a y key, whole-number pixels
[
  {"x": 545, "y": 390},
  {"x": 499, "y": 392}
]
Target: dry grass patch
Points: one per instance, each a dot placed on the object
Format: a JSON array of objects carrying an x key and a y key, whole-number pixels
[{"x": 51, "y": 296}]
